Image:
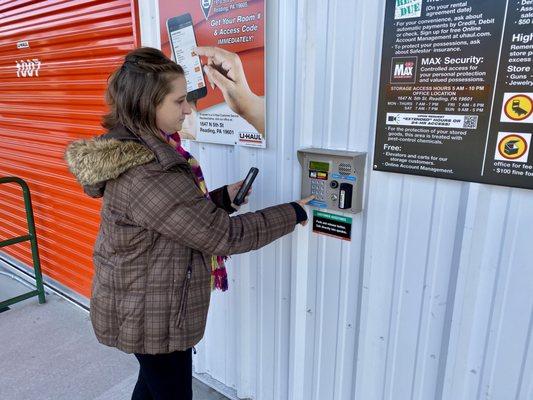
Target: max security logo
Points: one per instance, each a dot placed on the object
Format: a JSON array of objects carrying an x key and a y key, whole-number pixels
[
  {"x": 206, "y": 7},
  {"x": 403, "y": 70}
]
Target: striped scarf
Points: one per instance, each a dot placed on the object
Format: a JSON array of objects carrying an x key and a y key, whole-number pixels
[{"x": 219, "y": 278}]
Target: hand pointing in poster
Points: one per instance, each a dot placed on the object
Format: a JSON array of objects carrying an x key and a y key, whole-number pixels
[{"x": 224, "y": 70}]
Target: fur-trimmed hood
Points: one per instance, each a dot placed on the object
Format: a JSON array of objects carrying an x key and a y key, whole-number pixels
[
  {"x": 95, "y": 161},
  {"x": 98, "y": 160}
]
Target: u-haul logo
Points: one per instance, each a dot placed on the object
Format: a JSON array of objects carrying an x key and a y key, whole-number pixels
[
  {"x": 403, "y": 69},
  {"x": 23, "y": 44},
  {"x": 250, "y": 137},
  {"x": 28, "y": 68}
]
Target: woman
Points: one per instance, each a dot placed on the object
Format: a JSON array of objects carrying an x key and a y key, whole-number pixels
[{"x": 162, "y": 236}]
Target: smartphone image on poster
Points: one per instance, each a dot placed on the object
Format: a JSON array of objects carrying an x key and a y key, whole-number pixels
[{"x": 182, "y": 40}]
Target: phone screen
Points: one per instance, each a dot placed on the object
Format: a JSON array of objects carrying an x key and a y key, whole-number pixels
[
  {"x": 250, "y": 177},
  {"x": 243, "y": 191},
  {"x": 183, "y": 41},
  {"x": 248, "y": 181}
]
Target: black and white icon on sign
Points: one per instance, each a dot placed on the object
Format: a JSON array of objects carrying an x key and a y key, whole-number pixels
[
  {"x": 517, "y": 109},
  {"x": 403, "y": 70},
  {"x": 511, "y": 147}
]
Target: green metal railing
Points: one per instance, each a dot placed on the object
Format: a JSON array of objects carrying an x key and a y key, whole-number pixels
[{"x": 32, "y": 237}]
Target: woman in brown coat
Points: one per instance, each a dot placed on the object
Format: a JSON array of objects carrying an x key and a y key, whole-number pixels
[{"x": 162, "y": 236}]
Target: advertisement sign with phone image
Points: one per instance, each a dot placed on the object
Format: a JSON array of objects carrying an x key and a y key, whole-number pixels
[
  {"x": 183, "y": 42},
  {"x": 234, "y": 27}
]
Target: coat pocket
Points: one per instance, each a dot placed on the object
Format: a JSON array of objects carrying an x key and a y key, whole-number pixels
[{"x": 182, "y": 312}]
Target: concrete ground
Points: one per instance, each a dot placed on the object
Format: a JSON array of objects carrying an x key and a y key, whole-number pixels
[{"x": 49, "y": 351}]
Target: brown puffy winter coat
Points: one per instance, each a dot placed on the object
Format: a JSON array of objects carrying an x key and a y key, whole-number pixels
[{"x": 151, "y": 287}]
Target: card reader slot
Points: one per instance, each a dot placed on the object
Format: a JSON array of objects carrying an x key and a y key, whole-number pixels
[{"x": 345, "y": 196}]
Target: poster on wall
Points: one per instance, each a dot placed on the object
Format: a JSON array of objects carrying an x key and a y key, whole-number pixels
[
  {"x": 456, "y": 92},
  {"x": 227, "y": 96}
]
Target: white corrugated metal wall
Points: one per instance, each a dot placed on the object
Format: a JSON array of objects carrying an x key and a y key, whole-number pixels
[{"x": 432, "y": 299}]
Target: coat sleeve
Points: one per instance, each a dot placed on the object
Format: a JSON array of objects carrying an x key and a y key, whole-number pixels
[
  {"x": 170, "y": 203},
  {"x": 221, "y": 199}
]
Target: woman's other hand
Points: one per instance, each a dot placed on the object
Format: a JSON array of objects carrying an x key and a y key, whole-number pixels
[{"x": 233, "y": 189}]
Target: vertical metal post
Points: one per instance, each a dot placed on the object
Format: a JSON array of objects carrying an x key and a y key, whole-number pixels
[
  {"x": 33, "y": 241},
  {"x": 32, "y": 237}
]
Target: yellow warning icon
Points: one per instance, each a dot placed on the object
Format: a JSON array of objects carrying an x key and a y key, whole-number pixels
[
  {"x": 512, "y": 147},
  {"x": 519, "y": 107}
]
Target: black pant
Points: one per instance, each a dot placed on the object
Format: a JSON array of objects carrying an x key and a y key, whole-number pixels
[{"x": 164, "y": 376}]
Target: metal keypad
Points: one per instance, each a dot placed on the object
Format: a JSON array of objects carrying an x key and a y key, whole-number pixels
[
  {"x": 318, "y": 188},
  {"x": 335, "y": 178}
]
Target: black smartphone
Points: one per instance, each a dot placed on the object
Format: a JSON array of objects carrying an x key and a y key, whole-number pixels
[
  {"x": 182, "y": 40},
  {"x": 246, "y": 185}
]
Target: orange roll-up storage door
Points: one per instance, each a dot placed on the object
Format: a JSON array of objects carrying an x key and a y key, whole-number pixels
[{"x": 55, "y": 58}]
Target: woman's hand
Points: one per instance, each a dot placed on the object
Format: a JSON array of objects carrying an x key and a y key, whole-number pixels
[
  {"x": 233, "y": 190},
  {"x": 224, "y": 70},
  {"x": 303, "y": 202}
]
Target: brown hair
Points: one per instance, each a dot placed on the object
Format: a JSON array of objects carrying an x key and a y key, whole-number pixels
[{"x": 136, "y": 89}]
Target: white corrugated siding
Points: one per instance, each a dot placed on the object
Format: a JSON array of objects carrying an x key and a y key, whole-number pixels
[{"x": 432, "y": 299}]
